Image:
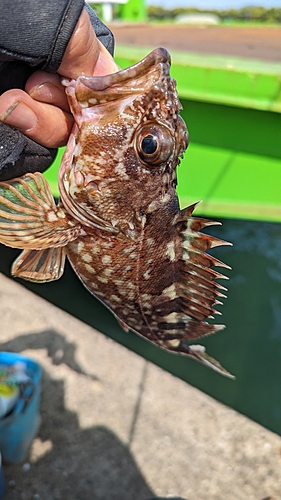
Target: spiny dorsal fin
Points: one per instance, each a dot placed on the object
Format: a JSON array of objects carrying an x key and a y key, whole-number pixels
[
  {"x": 198, "y": 285},
  {"x": 29, "y": 217},
  {"x": 40, "y": 266},
  {"x": 181, "y": 310}
]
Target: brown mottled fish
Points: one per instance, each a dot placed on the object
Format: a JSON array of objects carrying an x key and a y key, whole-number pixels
[{"x": 119, "y": 221}]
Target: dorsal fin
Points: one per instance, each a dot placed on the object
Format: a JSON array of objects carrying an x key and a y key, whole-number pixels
[
  {"x": 183, "y": 309},
  {"x": 180, "y": 311}
]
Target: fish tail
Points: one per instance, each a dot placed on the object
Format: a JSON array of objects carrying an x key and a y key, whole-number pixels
[{"x": 198, "y": 352}]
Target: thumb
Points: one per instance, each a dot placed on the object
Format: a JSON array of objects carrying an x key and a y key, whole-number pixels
[{"x": 85, "y": 54}]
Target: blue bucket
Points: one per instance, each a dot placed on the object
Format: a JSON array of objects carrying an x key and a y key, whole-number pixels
[{"x": 20, "y": 426}]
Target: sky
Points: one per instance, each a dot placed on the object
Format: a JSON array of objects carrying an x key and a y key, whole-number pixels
[{"x": 215, "y": 4}]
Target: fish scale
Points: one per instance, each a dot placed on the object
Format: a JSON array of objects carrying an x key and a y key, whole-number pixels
[{"x": 118, "y": 221}]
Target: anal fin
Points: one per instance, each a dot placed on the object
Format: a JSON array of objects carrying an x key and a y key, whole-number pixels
[{"x": 40, "y": 266}]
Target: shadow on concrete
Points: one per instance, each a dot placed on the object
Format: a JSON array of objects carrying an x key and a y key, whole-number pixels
[
  {"x": 59, "y": 350},
  {"x": 80, "y": 464}
]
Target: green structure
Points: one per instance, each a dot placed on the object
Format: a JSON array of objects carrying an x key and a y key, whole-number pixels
[
  {"x": 133, "y": 11},
  {"x": 232, "y": 108}
]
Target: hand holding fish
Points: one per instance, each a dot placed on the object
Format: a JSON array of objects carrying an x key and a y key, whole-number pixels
[
  {"x": 41, "y": 111},
  {"x": 39, "y": 42}
]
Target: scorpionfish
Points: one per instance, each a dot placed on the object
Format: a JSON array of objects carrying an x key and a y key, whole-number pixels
[{"x": 118, "y": 220}]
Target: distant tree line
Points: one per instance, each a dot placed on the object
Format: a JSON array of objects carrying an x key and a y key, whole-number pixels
[{"x": 255, "y": 14}]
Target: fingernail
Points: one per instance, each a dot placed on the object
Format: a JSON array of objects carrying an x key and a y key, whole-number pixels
[
  {"x": 19, "y": 115},
  {"x": 46, "y": 92}
]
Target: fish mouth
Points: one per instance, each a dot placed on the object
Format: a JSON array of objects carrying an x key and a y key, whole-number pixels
[
  {"x": 88, "y": 91},
  {"x": 101, "y": 83}
]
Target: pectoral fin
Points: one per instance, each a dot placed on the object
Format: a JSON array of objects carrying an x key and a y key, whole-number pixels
[
  {"x": 29, "y": 217},
  {"x": 40, "y": 266}
]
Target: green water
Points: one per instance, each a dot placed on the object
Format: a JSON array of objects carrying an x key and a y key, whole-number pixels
[{"x": 250, "y": 347}]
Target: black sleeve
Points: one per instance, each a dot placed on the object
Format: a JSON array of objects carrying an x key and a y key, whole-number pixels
[
  {"x": 37, "y": 32},
  {"x": 34, "y": 35}
]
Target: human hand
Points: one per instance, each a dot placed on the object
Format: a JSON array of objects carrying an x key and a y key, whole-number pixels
[{"x": 41, "y": 112}]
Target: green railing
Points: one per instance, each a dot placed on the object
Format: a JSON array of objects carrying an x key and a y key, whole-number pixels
[{"x": 232, "y": 108}]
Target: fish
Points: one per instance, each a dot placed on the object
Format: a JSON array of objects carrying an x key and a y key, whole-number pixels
[{"x": 118, "y": 220}]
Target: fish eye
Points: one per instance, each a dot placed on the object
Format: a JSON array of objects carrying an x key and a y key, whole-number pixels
[
  {"x": 154, "y": 143},
  {"x": 149, "y": 144}
]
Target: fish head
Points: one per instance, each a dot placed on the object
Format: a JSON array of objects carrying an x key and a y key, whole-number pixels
[{"x": 121, "y": 158}]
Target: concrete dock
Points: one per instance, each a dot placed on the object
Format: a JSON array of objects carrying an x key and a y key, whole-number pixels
[{"x": 116, "y": 427}]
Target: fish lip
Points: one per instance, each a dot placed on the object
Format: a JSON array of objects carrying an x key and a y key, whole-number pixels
[{"x": 157, "y": 56}]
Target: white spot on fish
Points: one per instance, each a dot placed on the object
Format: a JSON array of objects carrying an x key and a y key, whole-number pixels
[
  {"x": 131, "y": 294},
  {"x": 131, "y": 307},
  {"x": 119, "y": 283},
  {"x": 80, "y": 247},
  {"x": 146, "y": 305},
  {"x": 51, "y": 217},
  {"x": 154, "y": 205},
  {"x": 166, "y": 178},
  {"x": 106, "y": 259},
  {"x": 173, "y": 343},
  {"x": 129, "y": 249},
  {"x": 86, "y": 257},
  {"x": 102, "y": 279},
  {"x": 170, "y": 292},
  {"x": 170, "y": 252},
  {"x": 150, "y": 241},
  {"x": 121, "y": 170},
  {"x": 115, "y": 298},
  {"x": 173, "y": 317},
  {"x": 108, "y": 271},
  {"x": 90, "y": 269},
  {"x": 146, "y": 296}
]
